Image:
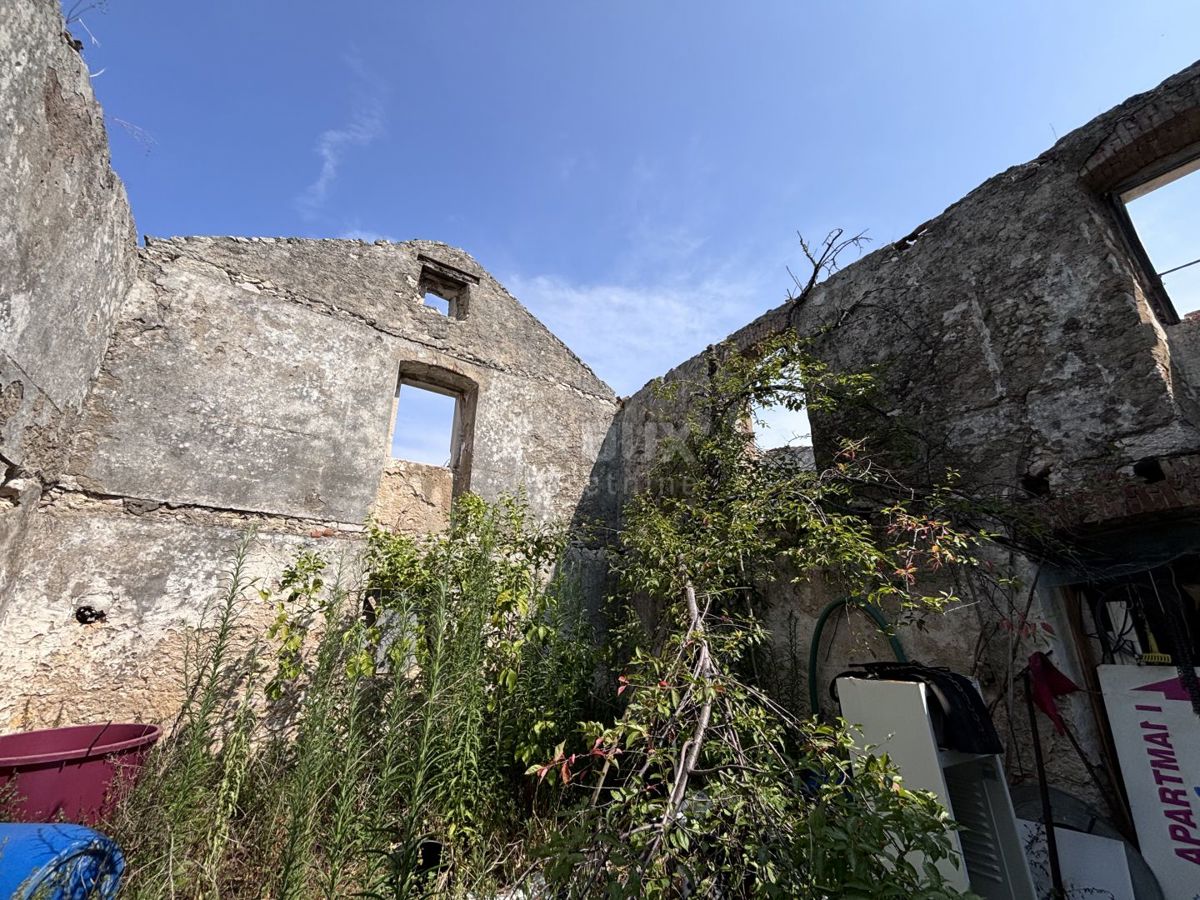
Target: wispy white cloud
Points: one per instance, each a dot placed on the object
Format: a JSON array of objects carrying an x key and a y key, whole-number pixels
[
  {"x": 670, "y": 290},
  {"x": 364, "y": 126},
  {"x": 365, "y": 123},
  {"x": 631, "y": 333}
]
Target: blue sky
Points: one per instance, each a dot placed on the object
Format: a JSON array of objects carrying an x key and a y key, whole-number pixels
[
  {"x": 1168, "y": 222},
  {"x": 635, "y": 172}
]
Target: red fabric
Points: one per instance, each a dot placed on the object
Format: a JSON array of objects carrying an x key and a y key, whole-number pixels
[{"x": 1048, "y": 684}]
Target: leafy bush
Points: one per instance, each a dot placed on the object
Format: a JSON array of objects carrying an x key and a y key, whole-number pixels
[
  {"x": 706, "y": 786},
  {"x": 434, "y": 727}
]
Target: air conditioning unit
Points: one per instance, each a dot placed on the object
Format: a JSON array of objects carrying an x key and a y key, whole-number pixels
[{"x": 893, "y": 717}]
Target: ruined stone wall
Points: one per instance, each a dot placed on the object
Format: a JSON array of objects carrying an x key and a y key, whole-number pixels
[
  {"x": 259, "y": 374},
  {"x": 251, "y": 382},
  {"x": 1013, "y": 336},
  {"x": 1013, "y": 332},
  {"x": 66, "y": 255},
  {"x": 155, "y": 405},
  {"x": 66, "y": 235},
  {"x": 1017, "y": 341}
]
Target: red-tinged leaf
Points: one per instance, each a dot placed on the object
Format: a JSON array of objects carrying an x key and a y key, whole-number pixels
[
  {"x": 621, "y": 689},
  {"x": 1048, "y": 628}
]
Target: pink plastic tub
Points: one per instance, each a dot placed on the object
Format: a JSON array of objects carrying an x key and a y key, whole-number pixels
[{"x": 73, "y": 774}]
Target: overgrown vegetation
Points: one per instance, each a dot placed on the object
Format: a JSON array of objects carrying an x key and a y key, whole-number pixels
[
  {"x": 705, "y": 785},
  {"x": 442, "y": 723},
  {"x": 387, "y": 750}
]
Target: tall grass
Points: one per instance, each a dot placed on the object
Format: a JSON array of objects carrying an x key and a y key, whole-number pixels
[{"x": 374, "y": 740}]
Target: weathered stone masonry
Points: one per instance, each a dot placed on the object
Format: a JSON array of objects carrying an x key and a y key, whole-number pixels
[
  {"x": 1020, "y": 341},
  {"x": 169, "y": 398},
  {"x": 157, "y": 402},
  {"x": 67, "y": 254},
  {"x": 251, "y": 381}
]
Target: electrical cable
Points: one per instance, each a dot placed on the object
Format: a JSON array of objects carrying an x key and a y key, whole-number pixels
[{"x": 1179, "y": 641}]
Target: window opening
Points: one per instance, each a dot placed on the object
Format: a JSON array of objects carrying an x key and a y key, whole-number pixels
[
  {"x": 445, "y": 288},
  {"x": 438, "y": 302},
  {"x": 1165, "y": 215},
  {"x": 785, "y": 433},
  {"x": 778, "y": 426},
  {"x": 425, "y": 425}
]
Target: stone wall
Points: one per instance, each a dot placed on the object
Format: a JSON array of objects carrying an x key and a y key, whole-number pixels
[
  {"x": 259, "y": 374},
  {"x": 1014, "y": 336},
  {"x": 66, "y": 235},
  {"x": 66, "y": 255},
  {"x": 157, "y": 405},
  {"x": 251, "y": 382},
  {"x": 1018, "y": 340},
  {"x": 1014, "y": 331}
]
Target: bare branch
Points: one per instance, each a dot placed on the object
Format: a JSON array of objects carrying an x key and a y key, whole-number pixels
[
  {"x": 79, "y": 7},
  {"x": 823, "y": 259}
]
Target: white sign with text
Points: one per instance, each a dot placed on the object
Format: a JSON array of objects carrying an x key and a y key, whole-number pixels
[{"x": 1158, "y": 743}]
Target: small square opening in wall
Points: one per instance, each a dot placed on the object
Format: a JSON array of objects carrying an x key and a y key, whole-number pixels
[
  {"x": 1165, "y": 215},
  {"x": 445, "y": 288},
  {"x": 438, "y": 302},
  {"x": 424, "y": 425}
]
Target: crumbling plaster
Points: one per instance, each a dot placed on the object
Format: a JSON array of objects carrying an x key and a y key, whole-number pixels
[
  {"x": 1013, "y": 338},
  {"x": 156, "y": 577},
  {"x": 156, "y": 403},
  {"x": 250, "y": 382},
  {"x": 413, "y": 497},
  {"x": 66, "y": 235}
]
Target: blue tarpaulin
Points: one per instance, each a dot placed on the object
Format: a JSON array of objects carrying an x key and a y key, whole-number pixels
[{"x": 58, "y": 862}]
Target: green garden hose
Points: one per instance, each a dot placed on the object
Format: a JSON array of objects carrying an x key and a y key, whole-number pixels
[{"x": 830, "y": 608}]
